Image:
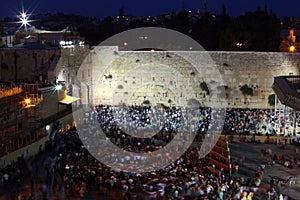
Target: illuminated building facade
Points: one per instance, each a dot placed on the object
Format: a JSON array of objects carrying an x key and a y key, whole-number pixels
[
  {"x": 61, "y": 38},
  {"x": 16, "y": 109},
  {"x": 31, "y": 114}
]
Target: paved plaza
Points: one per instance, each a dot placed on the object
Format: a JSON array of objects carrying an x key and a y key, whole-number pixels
[{"x": 251, "y": 153}]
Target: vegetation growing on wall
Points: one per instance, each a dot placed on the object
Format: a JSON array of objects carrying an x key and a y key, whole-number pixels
[
  {"x": 204, "y": 87},
  {"x": 146, "y": 102},
  {"x": 271, "y": 99},
  {"x": 246, "y": 90}
]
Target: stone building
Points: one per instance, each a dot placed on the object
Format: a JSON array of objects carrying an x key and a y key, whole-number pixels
[
  {"x": 34, "y": 54},
  {"x": 17, "y": 107},
  {"x": 52, "y": 38},
  {"x": 31, "y": 115},
  {"x": 29, "y": 62}
]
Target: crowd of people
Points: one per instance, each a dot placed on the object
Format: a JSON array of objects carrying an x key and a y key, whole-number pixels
[
  {"x": 260, "y": 121},
  {"x": 71, "y": 167},
  {"x": 186, "y": 178},
  {"x": 146, "y": 128},
  {"x": 256, "y": 121}
]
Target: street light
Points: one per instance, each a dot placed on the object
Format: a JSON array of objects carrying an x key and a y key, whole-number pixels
[
  {"x": 292, "y": 48},
  {"x": 27, "y": 101}
]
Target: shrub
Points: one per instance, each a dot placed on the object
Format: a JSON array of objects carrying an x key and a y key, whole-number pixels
[
  {"x": 146, "y": 102},
  {"x": 204, "y": 87},
  {"x": 246, "y": 90},
  {"x": 271, "y": 99}
]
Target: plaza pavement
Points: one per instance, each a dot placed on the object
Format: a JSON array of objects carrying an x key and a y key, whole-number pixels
[{"x": 253, "y": 158}]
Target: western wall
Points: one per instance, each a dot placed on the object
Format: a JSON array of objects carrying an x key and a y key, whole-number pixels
[{"x": 110, "y": 76}]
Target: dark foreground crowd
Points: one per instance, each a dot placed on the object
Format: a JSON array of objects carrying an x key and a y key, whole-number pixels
[{"x": 71, "y": 169}]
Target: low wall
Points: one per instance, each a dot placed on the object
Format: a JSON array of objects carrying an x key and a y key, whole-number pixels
[
  {"x": 261, "y": 138},
  {"x": 31, "y": 149}
]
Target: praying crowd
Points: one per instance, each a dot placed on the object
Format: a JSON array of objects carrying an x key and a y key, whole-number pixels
[
  {"x": 70, "y": 165},
  {"x": 186, "y": 178}
]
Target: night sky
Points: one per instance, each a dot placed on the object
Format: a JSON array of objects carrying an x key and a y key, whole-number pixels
[{"x": 103, "y": 8}]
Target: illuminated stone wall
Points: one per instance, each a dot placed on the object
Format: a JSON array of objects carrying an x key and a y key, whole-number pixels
[
  {"x": 256, "y": 69},
  {"x": 114, "y": 77}
]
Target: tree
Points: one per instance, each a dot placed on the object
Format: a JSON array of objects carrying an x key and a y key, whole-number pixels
[
  {"x": 257, "y": 31},
  {"x": 179, "y": 22}
]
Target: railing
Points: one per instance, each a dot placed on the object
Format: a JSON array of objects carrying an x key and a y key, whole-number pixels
[{"x": 45, "y": 121}]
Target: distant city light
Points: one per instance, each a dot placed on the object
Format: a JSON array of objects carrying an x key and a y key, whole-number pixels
[
  {"x": 70, "y": 44},
  {"x": 292, "y": 48},
  {"x": 143, "y": 37},
  {"x": 239, "y": 44}
]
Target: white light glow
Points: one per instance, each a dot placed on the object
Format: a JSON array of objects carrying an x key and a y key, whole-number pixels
[
  {"x": 58, "y": 87},
  {"x": 24, "y": 20},
  {"x": 24, "y": 15},
  {"x": 62, "y": 42}
]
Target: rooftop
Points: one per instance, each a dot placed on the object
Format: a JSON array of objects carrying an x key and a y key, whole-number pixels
[{"x": 287, "y": 88}]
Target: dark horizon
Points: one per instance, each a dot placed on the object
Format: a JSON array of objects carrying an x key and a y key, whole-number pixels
[{"x": 94, "y": 8}]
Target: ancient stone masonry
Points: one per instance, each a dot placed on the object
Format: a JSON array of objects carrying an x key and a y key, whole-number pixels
[
  {"x": 109, "y": 76},
  {"x": 113, "y": 76}
]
